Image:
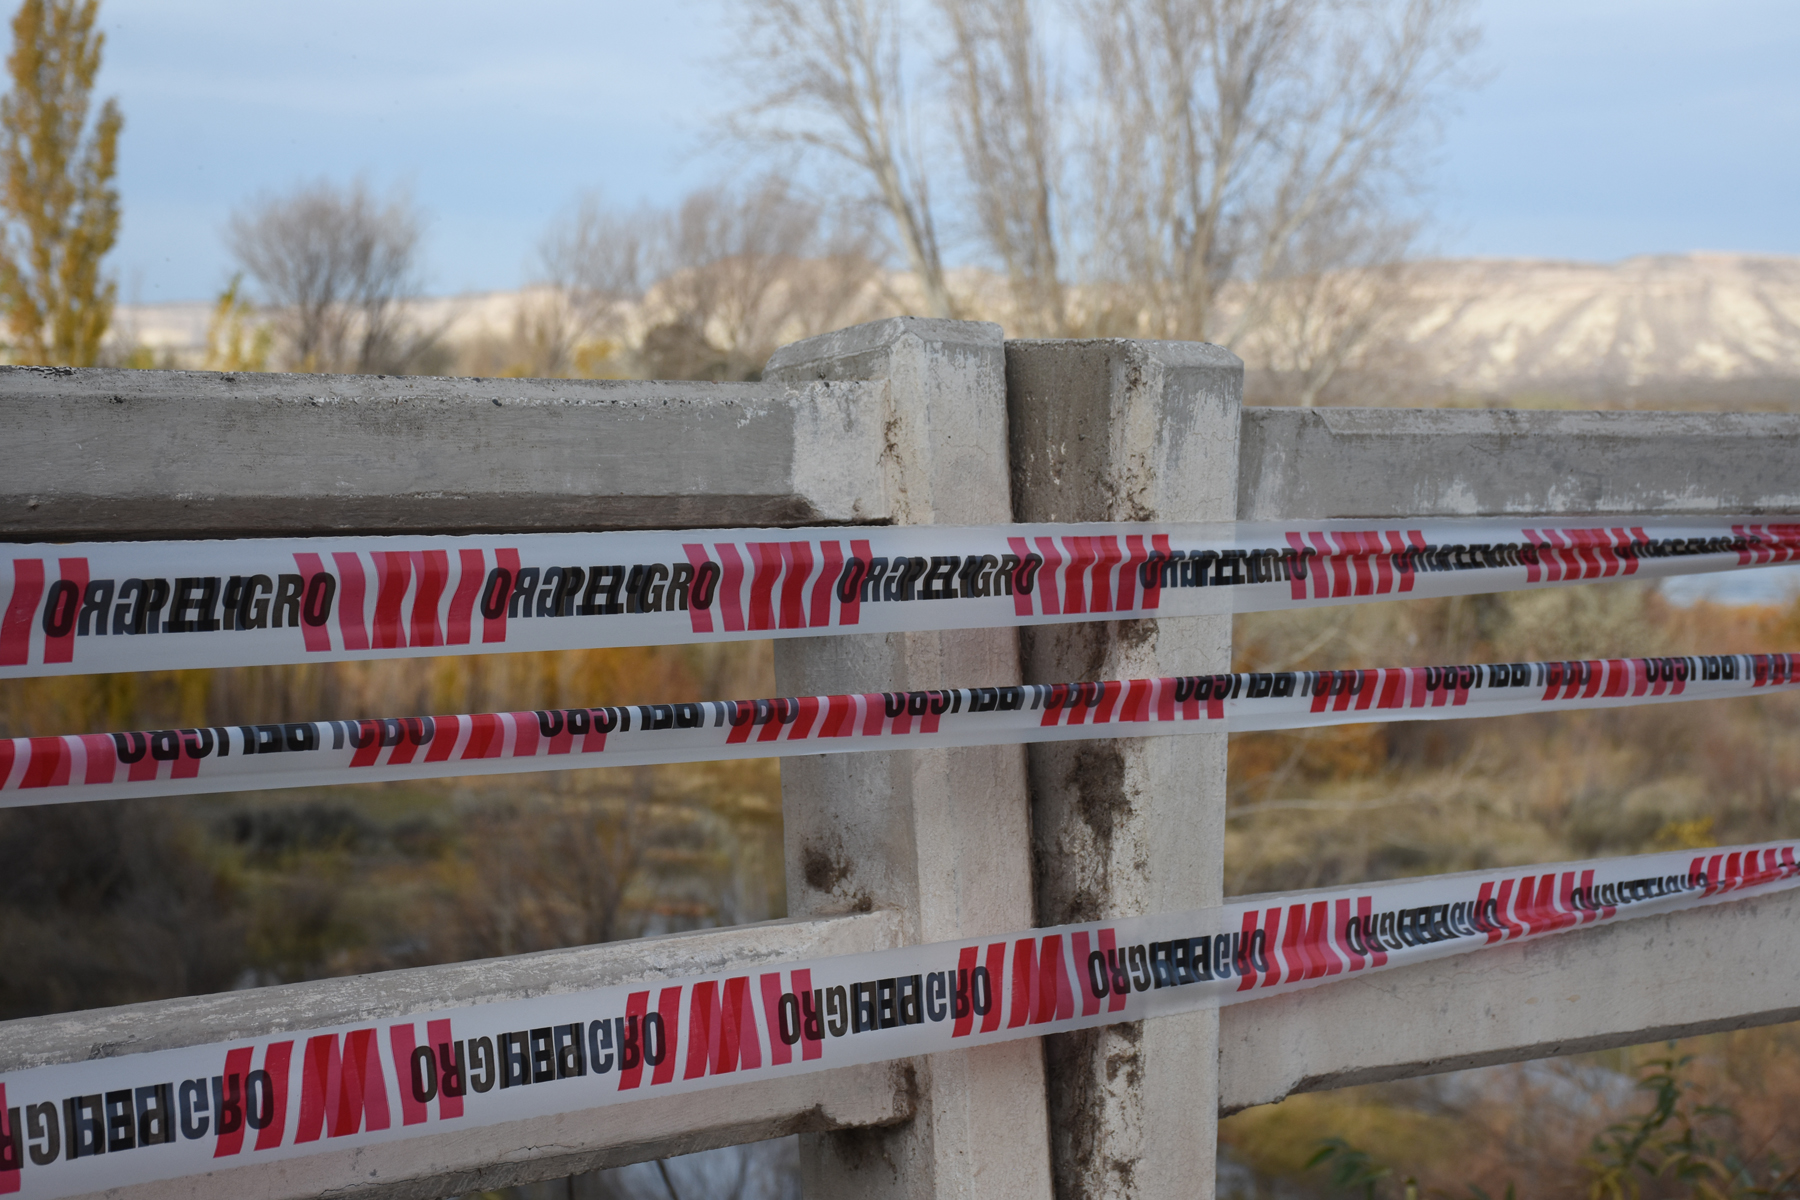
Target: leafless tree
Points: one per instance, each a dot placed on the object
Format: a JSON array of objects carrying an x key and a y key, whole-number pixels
[
  {"x": 828, "y": 76},
  {"x": 1253, "y": 141},
  {"x": 997, "y": 80},
  {"x": 597, "y": 261},
  {"x": 337, "y": 264},
  {"x": 1324, "y": 315},
  {"x": 1216, "y": 166},
  {"x": 749, "y": 270},
  {"x": 597, "y": 856}
]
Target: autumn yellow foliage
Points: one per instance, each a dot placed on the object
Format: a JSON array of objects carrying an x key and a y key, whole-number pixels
[{"x": 60, "y": 206}]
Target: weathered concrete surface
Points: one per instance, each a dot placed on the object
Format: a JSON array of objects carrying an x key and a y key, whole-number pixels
[
  {"x": 98, "y": 453},
  {"x": 475, "y": 1160},
  {"x": 518, "y": 1151},
  {"x": 940, "y": 835},
  {"x": 1726, "y": 967},
  {"x": 1128, "y": 431},
  {"x": 1399, "y": 462}
]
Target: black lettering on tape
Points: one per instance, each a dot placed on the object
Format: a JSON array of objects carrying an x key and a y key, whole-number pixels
[
  {"x": 543, "y": 1055},
  {"x": 911, "y": 997},
  {"x": 321, "y": 589},
  {"x": 655, "y": 584},
  {"x": 96, "y": 602},
  {"x": 186, "y": 596},
  {"x": 524, "y": 592},
  {"x": 631, "y": 1047},
  {"x": 259, "y": 1099},
  {"x": 85, "y": 1126},
  {"x": 494, "y": 593},
  {"x": 706, "y": 583},
  {"x": 195, "y": 1121},
  {"x": 1099, "y": 982},
  {"x": 1025, "y": 577},
  {"x": 286, "y": 609},
  {"x": 849, "y": 581},
  {"x": 600, "y": 1046},
  {"x": 422, "y": 1075},
  {"x": 121, "y": 1122},
  {"x": 514, "y": 1059},
  {"x": 872, "y": 580},
  {"x": 156, "y": 1114},
  {"x": 566, "y": 1044},
  {"x": 228, "y": 1103},
  {"x": 656, "y": 1040},
  {"x": 1005, "y": 575},
  {"x": 681, "y": 579},
  {"x": 482, "y": 1065},
  {"x": 549, "y": 594},
  {"x": 452, "y": 1069},
  {"x": 253, "y": 605},
  {"x": 60, "y": 608},
  {"x": 43, "y": 1133}
]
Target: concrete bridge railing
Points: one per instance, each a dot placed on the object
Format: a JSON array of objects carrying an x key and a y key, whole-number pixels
[{"x": 913, "y": 421}]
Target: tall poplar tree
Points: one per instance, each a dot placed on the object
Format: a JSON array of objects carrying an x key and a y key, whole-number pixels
[{"x": 60, "y": 208}]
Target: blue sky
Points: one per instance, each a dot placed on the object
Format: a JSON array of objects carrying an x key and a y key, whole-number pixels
[{"x": 1606, "y": 128}]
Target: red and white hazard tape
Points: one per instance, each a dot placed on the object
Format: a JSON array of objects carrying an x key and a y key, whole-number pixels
[
  {"x": 81, "y": 1127},
  {"x": 226, "y": 758},
  {"x": 84, "y": 608}
]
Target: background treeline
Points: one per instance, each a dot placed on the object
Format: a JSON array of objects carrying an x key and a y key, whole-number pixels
[
  {"x": 112, "y": 902},
  {"x": 1310, "y": 808},
  {"x": 1246, "y": 174}
]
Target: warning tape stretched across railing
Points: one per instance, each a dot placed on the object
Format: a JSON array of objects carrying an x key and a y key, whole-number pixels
[
  {"x": 223, "y": 758},
  {"x": 74, "y": 1128},
  {"x": 90, "y": 607}
]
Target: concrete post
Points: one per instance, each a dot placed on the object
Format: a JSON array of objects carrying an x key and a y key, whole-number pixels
[
  {"x": 1128, "y": 431},
  {"x": 940, "y": 836}
]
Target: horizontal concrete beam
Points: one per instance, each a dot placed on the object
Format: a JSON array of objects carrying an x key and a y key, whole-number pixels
[
  {"x": 1411, "y": 462},
  {"x": 520, "y": 1151},
  {"x": 99, "y": 453},
  {"x": 1701, "y": 971}
]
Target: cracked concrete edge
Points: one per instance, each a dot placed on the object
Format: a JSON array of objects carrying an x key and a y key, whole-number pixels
[
  {"x": 1394, "y": 463},
  {"x": 859, "y": 352},
  {"x": 390, "y": 995},
  {"x": 494, "y": 1156},
  {"x": 111, "y": 455},
  {"x": 1625, "y": 984}
]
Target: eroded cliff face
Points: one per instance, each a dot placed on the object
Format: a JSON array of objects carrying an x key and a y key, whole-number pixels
[
  {"x": 1504, "y": 325},
  {"x": 1708, "y": 330}
]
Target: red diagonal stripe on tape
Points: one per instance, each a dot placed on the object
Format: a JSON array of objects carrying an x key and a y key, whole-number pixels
[{"x": 21, "y": 607}]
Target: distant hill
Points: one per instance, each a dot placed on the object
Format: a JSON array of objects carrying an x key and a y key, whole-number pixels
[
  {"x": 1652, "y": 329},
  {"x": 1506, "y": 325}
]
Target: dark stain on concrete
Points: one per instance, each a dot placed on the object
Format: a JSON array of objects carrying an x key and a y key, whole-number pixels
[
  {"x": 1096, "y": 777},
  {"x": 822, "y": 870}
]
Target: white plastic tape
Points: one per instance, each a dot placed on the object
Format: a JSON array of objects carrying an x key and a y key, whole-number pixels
[
  {"x": 224, "y": 758},
  {"x": 139, "y": 606},
  {"x": 80, "y": 1127}
]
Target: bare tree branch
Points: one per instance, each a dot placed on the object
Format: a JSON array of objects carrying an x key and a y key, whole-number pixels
[
  {"x": 1001, "y": 105},
  {"x": 338, "y": 265},
  {"x": 825, "y": 76},
  {"x": 596, "y": 261},
  {"x": 1230, "y": 133}
]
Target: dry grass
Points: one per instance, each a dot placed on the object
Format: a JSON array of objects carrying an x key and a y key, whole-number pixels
[
  {"x": 1313, "y": 808},
  {"x": 113, "y": 902}
]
